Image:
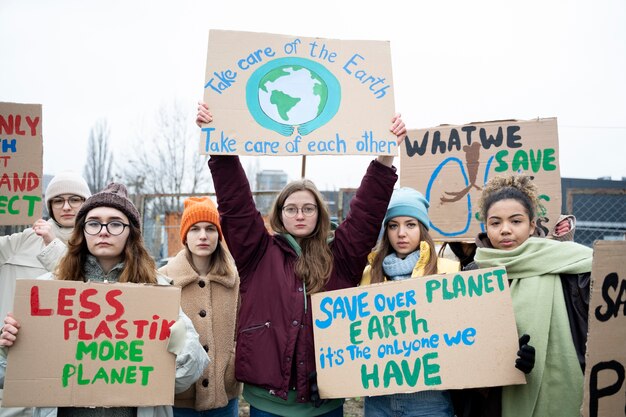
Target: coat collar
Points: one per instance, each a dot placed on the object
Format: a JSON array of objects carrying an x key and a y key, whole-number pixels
[{"x": 182, "y": 273}]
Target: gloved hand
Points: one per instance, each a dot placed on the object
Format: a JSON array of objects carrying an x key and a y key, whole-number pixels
[
  {"x": 525, "y": 361},
  {"x": 314, "y": 391}
]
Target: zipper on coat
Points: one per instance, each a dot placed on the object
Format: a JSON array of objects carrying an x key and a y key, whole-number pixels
[{"x": 258, "y": 326}]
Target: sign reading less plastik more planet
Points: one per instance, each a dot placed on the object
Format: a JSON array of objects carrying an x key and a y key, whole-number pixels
[
  {"x": 451, "y": 165},
  {"x": 292, "y": 95},
  {"x": 430, "y": 333},
  {"x": 21, "y": 163},
  {"x": 91, "y": 344}
]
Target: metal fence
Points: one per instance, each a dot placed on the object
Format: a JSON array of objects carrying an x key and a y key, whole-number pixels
[{"x": 600, "y": 213}]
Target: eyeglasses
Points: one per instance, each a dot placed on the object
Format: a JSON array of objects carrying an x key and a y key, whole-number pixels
[
  {"x": 292, "y": 211},
  {"x": 74, "y": 201},
  {"x": 114, "y": 228}
]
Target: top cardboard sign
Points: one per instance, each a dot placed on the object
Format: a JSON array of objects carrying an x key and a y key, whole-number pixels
[
  {"x": 450, "y": 165},
  {"x": 21, "y": 163},
  {"x": 92, "y": 344},
  {"x": 605, "y": 360},
  {"x": 293, "y": 95},
  {"x": 429, "y": 333}
]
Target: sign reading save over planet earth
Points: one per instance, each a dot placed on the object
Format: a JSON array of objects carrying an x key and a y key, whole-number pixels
[{"x": 291, "y": 95}]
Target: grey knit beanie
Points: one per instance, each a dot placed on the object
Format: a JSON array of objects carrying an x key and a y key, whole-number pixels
[{"x": 113, "y": 195}]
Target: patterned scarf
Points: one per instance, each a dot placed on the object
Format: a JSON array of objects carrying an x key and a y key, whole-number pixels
[
  {"x": 396, "y": 268},
  {"x": 93, "y": 271}
]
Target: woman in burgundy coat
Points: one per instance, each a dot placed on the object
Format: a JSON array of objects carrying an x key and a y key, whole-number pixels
[{"x": 275, "y": 357}]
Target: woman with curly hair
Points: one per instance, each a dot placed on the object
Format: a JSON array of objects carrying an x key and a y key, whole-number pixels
[{"x": 549, "y": 283}]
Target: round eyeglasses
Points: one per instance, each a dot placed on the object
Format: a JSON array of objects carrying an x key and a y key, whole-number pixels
[
  {"x": 114, "y": 228},
  {"x": 307, "y": 210},
  {"x": 74, "y": 201}
]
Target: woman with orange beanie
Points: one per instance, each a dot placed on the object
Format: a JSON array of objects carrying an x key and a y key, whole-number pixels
[{"x": 206, "y": 273}]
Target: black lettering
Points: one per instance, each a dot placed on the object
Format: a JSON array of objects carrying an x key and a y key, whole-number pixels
[
  {"x": 489, "y": 141},
  {"x": 454, "y": 141},
  {"x": 594, "y": 393},
  {"x": 438, "y": 143},
  {"x": 512, "y": 140},
  {"x": 415, "y": 147}
]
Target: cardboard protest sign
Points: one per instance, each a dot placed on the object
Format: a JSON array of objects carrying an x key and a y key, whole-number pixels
[
  {"x": 605, "y": 360},
  {"x": 21, "y": 163},
  {"x": 92, "y": 344},
  {"x": 292, "y": 95},
  {"x": 430, "y": 333},
  {"x": 450, "y": 165}
]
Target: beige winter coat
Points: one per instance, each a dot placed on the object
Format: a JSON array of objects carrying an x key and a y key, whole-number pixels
[{"x": 211, "y": 303}]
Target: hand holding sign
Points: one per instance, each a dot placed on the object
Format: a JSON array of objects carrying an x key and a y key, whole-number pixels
[{"x": 9, "y": 331}]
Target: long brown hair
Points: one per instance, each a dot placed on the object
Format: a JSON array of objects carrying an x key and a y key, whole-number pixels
[
  {"x": 221, "y": 261},
  {"x": 139, "y": 267},
  {"x": 384, "y": 248},
  {"x": 315, "y": 264}
]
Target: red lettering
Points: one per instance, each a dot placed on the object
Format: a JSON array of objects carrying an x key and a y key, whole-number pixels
[
  {"x": 120, "y": 326},
  {"x": 103, "y": 329},
  {"x": 35, "y": 309},
  {"x": 69, "y": 325},
  {"x": 64, "y": 302},
  {"x": 113, "y": 302},
  {"x": 82, "y": 332},
  {"x": 27, "y": 181},
  {"x": 32, "y": 123},
  {"x": 141, "y": 324},
  {"x": 93, "y": 309},
  {"x": 18, "y": 121},
  {"x": 6, "y": 125},
  {"x": 165, "y": 329}
]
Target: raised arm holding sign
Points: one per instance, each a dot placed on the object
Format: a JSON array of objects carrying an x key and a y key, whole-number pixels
[{"x": 275, "y": 355}]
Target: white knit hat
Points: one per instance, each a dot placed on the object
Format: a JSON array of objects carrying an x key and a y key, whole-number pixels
[{"x": 66, "y": 182}]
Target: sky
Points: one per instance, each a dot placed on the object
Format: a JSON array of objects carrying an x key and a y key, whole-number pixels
[{"x": 454, "y": 62}]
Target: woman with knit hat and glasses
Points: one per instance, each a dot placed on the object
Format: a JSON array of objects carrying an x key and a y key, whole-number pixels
[
  {"x": 206, "y": 272},
  {"x": 106, "y": 245},
  {"x": 37, "y": 250}
]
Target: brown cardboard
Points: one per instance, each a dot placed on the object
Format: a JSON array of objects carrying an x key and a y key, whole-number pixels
[
  {"x": 21, "y": 163},
  {"x": 256, "y": 112},
  {"x": 605, "y": 360},
  {"x": 482, "y": 323},
  {"x": 450, "y": 165},
  {"x": 42, "y": 355}
]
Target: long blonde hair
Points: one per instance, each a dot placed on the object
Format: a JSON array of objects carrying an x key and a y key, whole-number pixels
[
  {"x": 384, "y": 248},
  {"x": 315, "y": 264},
  {"x": 139, "y": 267}
]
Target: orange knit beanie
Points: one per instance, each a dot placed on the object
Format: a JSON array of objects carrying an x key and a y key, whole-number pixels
[{"x": 198, "y": 209}]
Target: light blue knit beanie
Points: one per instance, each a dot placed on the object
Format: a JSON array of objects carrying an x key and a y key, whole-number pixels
[{"x": 408, "y": 202}]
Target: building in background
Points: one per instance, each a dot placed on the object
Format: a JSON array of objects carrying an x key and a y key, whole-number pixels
[{"x": 268, "y": 180}]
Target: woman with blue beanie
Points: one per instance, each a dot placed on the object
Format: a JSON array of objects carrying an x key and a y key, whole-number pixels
[{"x": 404, "y": 251}]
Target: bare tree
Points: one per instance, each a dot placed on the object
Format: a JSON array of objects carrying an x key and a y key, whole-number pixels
[
  {"x": 99, "y": 162},
  {"x": 166, "y": 160}
]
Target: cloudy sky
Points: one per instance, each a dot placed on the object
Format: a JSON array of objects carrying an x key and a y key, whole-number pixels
[{"x": 454, "y": 62}]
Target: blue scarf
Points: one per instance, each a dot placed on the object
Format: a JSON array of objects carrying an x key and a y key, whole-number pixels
[{"x": 396, "y": 268}]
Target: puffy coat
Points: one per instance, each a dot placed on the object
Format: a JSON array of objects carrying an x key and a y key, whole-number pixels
[{"x": 275, "y": 332}]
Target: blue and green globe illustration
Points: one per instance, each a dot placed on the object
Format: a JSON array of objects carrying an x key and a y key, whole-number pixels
[{"x": 290, "y": 93}]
